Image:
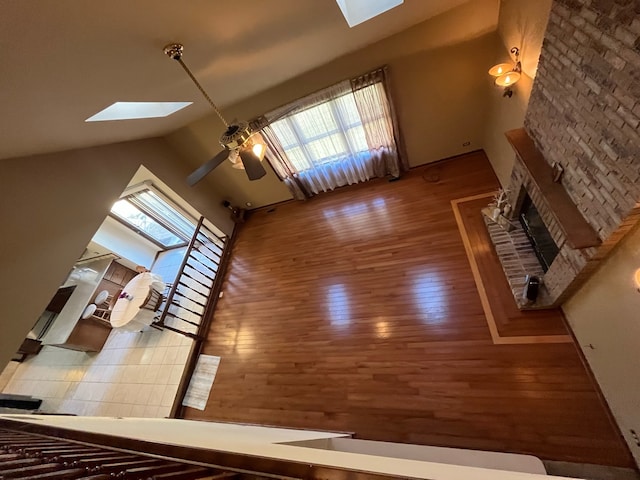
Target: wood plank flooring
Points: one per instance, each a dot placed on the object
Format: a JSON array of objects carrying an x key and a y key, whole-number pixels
[{"x": 357, "y": 311}]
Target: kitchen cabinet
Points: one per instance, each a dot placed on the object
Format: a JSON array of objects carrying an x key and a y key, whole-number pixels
[{"x": 90, "y": 334}]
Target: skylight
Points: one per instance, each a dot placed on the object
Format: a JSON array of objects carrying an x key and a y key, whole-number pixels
[
  {"x": 358, "y": 11},
  {"x": 133, "y": 110}
]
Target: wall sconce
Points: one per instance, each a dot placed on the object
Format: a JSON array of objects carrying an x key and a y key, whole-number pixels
[
  {"x": 507, "y": 74},
  {"x": 636, "y": 277}
]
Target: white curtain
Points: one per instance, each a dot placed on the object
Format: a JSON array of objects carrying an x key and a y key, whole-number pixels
[{"x": 338, "y": 136}]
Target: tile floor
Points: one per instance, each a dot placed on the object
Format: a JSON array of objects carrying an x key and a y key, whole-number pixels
[{"x": 135, "y": 375}]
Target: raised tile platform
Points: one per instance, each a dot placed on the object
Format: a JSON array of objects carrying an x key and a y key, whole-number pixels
[{"x": 518, "y": 259}]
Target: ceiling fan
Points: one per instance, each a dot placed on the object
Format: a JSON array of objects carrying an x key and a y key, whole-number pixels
[{"x": 244, "y": 147}]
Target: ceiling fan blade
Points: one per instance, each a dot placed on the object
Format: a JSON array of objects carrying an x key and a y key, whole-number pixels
[
  {"x": 204, "y": 169},
  {"x": 252, "y": 164}
]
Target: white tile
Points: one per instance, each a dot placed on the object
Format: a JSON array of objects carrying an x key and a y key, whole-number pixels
[
  {"x": 183, "y": 355},
  {"x": 176, "y": 374},
  {"x": 72, "y": 389},
  {"x": 147, "y": 355},
  {"x": 128, "y": 373},
  {"x": 130, "y": 393},
  {"x": 119, "y": 392},
  {"x": 51, "y": 405},
  {"x": 112, "y": 409},
  {"x": 169, "y": 396},
  {"x": 109, "y": 374},
  {"x": 157, "y": 392},
  {"x": 118, "y": 371},
  {"x": 158, "y": 355},
  {"x": 92, "y": 374},
  {"x": 124, "y": 410},
  {"x": 138, "y": 410},
  {"x": 101, "y": 410},
  {"x": 111, "y": 393},
  {"x": 83, "y": 391},
  {"x": 173, "y": 339},
  {"x": 164, "y": 340},
  {"x": 170, "y": 356},
  {"x": 163, "y": 375},
  {"x": 163, "y": 412},
  {"x": 129, "y": 339},
  {"x": 134, "y": 355},
  {"x": 75, "y": 374},
  {"x": 90, "y": 408},
  {"x": 98, "y": 392},
  {"x": 61, "y": 389},
  {"x": 139, "y": 372},
  {"x": 72, "y": 406},
  {"x": 151, "y": 373},
  {"x": 143, "y": 394},
  {"x": 151, "y": 411}
]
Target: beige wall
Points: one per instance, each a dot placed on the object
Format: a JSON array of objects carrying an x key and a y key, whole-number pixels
[
  {"x": 521, "y": 24},
  {"x": 604, "y": 314},
  {"x": 53, "y": 204},
  {"x": 438, "y": 72}
]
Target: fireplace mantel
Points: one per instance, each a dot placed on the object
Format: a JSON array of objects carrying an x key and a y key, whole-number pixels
[{"x": 577, "y": 231}]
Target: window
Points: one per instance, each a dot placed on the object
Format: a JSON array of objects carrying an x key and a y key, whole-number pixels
[
  {"x": 322, "y": 134},
  {"x": 149, "y": 215},
  {"x": 340, "y": 135}
]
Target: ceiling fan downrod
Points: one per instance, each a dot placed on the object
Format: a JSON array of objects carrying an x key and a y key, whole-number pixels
[{"x": 175, "y": 52}]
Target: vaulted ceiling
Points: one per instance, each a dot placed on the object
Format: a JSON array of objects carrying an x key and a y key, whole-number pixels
[{"x": 64, "y": 61}]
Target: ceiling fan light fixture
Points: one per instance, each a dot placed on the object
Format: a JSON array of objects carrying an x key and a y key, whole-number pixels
[{"x": 234, "y": 158}]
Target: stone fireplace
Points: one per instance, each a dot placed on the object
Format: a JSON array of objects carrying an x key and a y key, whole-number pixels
[{"x": 584, "y": 115}]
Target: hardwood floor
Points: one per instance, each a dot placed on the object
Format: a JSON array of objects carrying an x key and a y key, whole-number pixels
[{"x": 357, "y": 311}]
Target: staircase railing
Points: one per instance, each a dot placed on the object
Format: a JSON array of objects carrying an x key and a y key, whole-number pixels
[{"x": 193, "y": 292}]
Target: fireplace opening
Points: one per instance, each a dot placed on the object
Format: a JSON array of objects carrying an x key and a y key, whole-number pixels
[{"x": 538, "y": 234}]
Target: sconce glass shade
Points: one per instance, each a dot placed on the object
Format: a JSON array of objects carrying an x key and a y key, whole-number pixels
[
  {"x": 500, "y": 69},
  {"x": 507, "y": 79}
]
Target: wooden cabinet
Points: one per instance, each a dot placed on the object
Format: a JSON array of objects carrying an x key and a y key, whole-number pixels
[
  {"x": 118, "y": 274},
  {"x": 90, "y": 334}
]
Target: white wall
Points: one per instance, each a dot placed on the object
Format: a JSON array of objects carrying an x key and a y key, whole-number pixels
[
  {"x": 604, "y": 314},
  {"x": 125, "y": 243},
  {"x": 266, "y": 442}
]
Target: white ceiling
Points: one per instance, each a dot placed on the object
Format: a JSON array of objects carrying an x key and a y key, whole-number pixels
[{"x": 63, "y": 61}]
